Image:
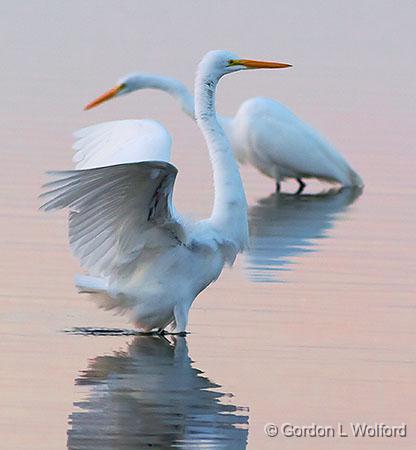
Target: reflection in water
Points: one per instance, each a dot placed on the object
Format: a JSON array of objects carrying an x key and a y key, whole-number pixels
[
  {"x": 283, "y": 225},
  {"x": 150, "y": 396}
]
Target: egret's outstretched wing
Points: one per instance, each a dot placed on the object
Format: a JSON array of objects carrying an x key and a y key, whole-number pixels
[
  {"x": 120, "y": 142},
  {"x": 117, "y": 212}
]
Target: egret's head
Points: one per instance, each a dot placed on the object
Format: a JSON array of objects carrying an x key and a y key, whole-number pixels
[
  {"x": 135, "y": 81},
  {"x": 124, "y": 85},
  {"x": 220, "y": 62}
]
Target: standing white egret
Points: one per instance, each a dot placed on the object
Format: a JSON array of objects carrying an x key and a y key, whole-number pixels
[
  {"x": 141, "y": 256},
  {"x": 264, "y": 133}
]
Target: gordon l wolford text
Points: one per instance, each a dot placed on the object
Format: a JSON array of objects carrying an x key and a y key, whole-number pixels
[{"x": 356, "y": 430}]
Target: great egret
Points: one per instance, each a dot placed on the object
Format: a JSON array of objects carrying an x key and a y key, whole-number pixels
[
  {"x": 140, "y": 254},
  {"x": 264, "y": 133}
]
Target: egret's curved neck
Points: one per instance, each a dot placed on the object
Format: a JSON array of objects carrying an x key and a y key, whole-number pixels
[
  {"x": 230, "y": 206},
  {"x": 179, "y": 92},
  {"x": 171, "y": 86}
]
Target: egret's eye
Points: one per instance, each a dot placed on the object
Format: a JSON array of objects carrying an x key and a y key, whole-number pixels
[{"x": 234, "y": 62}]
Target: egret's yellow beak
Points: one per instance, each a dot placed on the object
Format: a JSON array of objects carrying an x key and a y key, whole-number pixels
[
  {"x": 104, "y": 97},
  {"x": 251, "y": 64}
]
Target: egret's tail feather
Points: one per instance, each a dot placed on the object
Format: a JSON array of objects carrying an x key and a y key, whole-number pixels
[
  {"x": 90, "y": 285},
  {"x": 98, "y": 287}
]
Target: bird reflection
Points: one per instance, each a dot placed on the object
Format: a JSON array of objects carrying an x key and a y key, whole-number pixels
[
  {"x": 284, "y": 225},
  {"x": 151, "y": 396}
]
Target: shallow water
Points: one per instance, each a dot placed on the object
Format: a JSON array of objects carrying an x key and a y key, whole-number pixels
[
  {"x": 150, "y": 396},
  {"x": 316, "y": 324}
]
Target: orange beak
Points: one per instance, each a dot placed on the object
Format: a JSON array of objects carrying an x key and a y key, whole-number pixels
[
  {"x": 104, "y": 97},
  {"x": 251, "y": 64}
]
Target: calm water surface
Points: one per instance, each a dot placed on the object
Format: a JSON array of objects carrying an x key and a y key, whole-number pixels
[{"x": 316, "y": 324}]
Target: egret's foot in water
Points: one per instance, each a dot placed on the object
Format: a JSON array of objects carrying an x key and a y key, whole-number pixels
[
  {"x": 163, "y": 332},
  {"x": 178, "y": 333},
  {"x": 301, "y": 187}
]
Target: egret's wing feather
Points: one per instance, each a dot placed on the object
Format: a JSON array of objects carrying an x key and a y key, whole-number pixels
[
  {"x": 120, "y": 142},
  {"x": 117, "y": 211}
]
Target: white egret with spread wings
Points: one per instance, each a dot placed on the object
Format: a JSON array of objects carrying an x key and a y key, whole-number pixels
[{"x": 140, "y": 254}]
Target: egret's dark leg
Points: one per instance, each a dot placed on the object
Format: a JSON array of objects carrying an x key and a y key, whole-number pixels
[
  {"x": 161, "y": 331},
  {"x": 277, "y": 186},
  {"x": 301, "y": 186}
]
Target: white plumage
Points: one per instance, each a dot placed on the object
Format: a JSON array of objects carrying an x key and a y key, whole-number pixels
[
  {"x": 140, "y": 255},
  {"x": 121, "y": 141},
  {"x": 275, "y": 141},
  {"x": 265, "y": 134},
  {"x": 107, "y": 228}
]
